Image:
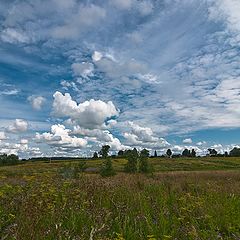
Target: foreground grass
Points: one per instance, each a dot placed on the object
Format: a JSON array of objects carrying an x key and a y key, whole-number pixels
[{"x": 39, "y": 201}]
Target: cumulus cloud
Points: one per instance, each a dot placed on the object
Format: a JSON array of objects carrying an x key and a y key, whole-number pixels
[
  {"x": 201, "y": 143},
  {"x": 37, "y": 102},
  {"x": 143, "y": 137},
  {"x": 2, "y": 136},
  {"x": 59, "y": 137},
  {"x": 19, "y": 125},
  {"x": 21, "y": 148},
  {"x": 187, "y": 140},
  {"x": 101, "y": 137},
  {"x": 24, "y": 141},
  {"x": 89, "y": 114}
]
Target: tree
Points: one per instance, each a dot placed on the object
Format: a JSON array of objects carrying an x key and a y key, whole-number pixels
[
  {"x": 193, "y": 153},
  {"x": 104, "y": 151},
  {"x": 132, "y": 160},
  {"x": 95, "y": 155},
  {"x": 144, "y": 166},
  {"x": 169, "y": 153},
  {"x": 186, "y": 153},
  {"x": 235, "y": 152},
  {"x": 226, "y": 154},
  {"x": 107, "y": 169},
  {"x": 155, "y": 153},
  {"x": 9, "y": 159},
  {"x": 120, "y": 153},
  {"x": 212, "y": 152}
]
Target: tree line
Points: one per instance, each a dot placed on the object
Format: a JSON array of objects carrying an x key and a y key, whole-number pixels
[
  {"x": 235, "y": 152},
  {"x": 8, "y": 159},
  {"x": 137, "y": 161}
]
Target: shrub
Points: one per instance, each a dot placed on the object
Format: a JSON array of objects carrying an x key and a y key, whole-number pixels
[{"x": 107, "y": 168}]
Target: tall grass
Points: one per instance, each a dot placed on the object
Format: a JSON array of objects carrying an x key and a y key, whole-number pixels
[{"x": 41, "y": 204}]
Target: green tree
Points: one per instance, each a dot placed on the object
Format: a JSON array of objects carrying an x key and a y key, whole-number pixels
[
  {"x": 95, "y": 155},
  {"x": 155, "y": 153},
  {"x": 235, "y": 152},
  {"x": 120, "y": 153},
  {"x": 132, "y": 160},
  {"x": 104, "y": 151},
  {"x": 144, "y": 166},
  {"x": 169, "y": 153},
  {"x": 193, "y": 153},
  {"x": 186, "y": 153},
  {"x": 212, "y": 152},
  {"x": 9, "y": 159}
]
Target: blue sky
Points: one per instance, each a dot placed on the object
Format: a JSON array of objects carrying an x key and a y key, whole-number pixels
[{"x": 147, "y": 73}]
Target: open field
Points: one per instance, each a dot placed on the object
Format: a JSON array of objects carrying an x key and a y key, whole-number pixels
[{"x": 184, "y": 199}]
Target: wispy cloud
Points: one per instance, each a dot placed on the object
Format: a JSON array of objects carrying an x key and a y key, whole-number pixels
[{"x": 169, "y": 67}]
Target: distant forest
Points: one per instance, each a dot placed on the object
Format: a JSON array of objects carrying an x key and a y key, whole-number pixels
[{"x": 14, "y": 159}]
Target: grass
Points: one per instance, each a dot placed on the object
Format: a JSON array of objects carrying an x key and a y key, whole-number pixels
[{"x": 184, "y": 199}]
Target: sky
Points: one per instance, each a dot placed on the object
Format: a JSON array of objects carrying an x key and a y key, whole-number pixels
[{"x": 155, "y": 74}]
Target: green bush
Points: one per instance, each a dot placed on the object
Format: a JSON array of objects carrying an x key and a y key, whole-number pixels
[{"x": 107, "y": 168}]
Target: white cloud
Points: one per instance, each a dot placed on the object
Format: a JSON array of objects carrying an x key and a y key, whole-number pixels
[
  {"x": 228, "y": 11},
  {"x": 83, "y": 69},
  {"x": 89, "y": 114},
  {"x": 19, "y": 125},
  {"x": 2, "y": 136},
  {"x": 23, "y": 141},
  {"x": 37, "y": 102},
  {"x": 60, "y": 137},
  {"x": 97, "y": 56},
  {"x": 12, "y": 35},
  {"x": 9, "y": 92},
  {"x": 143, "y": 137},
  {"x": 80, "y": 21},
  {"x": 21, "y": 149},
  {"x": 101, "y": 137},
  {"x": 187, "y": 140},
  {"x": 201, "y": 143},
  {"x": 143, "y": 133},
  {"x": 116, "y": 69}
]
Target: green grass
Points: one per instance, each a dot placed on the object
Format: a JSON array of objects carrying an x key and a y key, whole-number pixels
[{"x": 37, "y": 201}]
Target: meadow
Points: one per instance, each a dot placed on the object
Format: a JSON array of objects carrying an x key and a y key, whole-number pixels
[{"x": 185, "y": 198}]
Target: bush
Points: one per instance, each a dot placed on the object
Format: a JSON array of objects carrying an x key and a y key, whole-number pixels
[
  {"x": 107, "y": 168},
  {"x": 70, "y": 171}
]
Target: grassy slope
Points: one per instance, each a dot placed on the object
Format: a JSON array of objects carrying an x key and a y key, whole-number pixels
[{"x": 39, "y": 201}]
